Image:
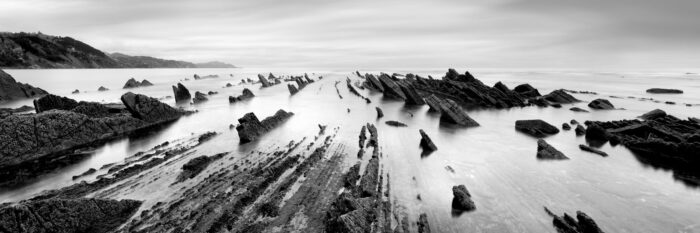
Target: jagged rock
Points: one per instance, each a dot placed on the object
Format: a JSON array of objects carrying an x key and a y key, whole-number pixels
[
  {"x": 396, "y": 123},
  {"x": 132, "y": 83},
  {"x": 527, "y": 91},
  {"x": 102, "y": 88},
  {"x": 370, "y": 180},
  {"x": 462, "y": 200},
  {"x": 374, "y": 83},
  {"x": 573, "y": 122},
  {"x": 76, "y": 91},
  {"x": 380, "y": 113},
  {"x": 592, "y": 150},
  {"x": 425, "y": 142},
  {"x": 181, "y": 93},
  {"x": 664, "y": 91},
  {"x": 264, "y": 81},
  {"x": 653, "y": 114},
  {"x": 567, "y": 224},
  {"x": 50, "y": 101},
  {"x": 391, "y": 88},
  {"x": 560, "y": 96},
  {"x": 577, "y": 109},
  {"x": 546, "y": 151},
  {"x": 565, "y": 126},
  {"x": 292, "y": 89},
  {"x": 88, "y": 172},
  {"x": 247, "y": 94},
  {"x": 149, "y": 109},
  {"x": 580, "y": 130},
  {"x": 602, "y": 104},
  {"x": 72, "y": 215},
  {"x": 12, "y": 90},
  {"x": 423, "y": 225},
  {"x": 373, "y": 136},
  {"x": 199, "y": 97},
  {"x": 453, "y": 113},
  {"x": 536, "y": 128},
  {"x": 250, "y": 128},
  {"x": 412, "y": 97},
  {"x": 434, "y": 103}
]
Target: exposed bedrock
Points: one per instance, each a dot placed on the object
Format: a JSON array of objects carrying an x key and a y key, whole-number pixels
[
  {"x": 412, "y": 96},
  {"x": 601, "y": 104},
  {"x": 292, "y": 89},
  {"x": 548, "y": 152},
  {"x": 592, "y": 150},
  {"x": 560, "y": 96},
  {"x": 567, "y": 224},
  {"x": 453, "y": 113},
  {"x": 536, "y": 128},
  {"x": 10, "y": 89},
  {"x": 196, "y": 165},
  {"x": 391, "y": 88},
  {"x": 664, "y": 91},
  {"x": 67, "y": 215},
  {"x": 425, "y": 142},
  {"x": 132, "y": 83},
  {"x": 462, "y": 200},
  {"x": 40, "y": 138},
  {"x": 665, "y": 142},
  {"x": 374, "y": 83},
  {"x": 250, "y": 128},
  {"x": 181, "y": 93},
  {"x": 246, "y": 94}
]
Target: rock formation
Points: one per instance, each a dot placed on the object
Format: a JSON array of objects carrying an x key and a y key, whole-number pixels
[
  {"x": 149, "y": 109},
  {"x": 425, "y": 142},
  {"x": 13, "y": 90},
  {"x": 132, "y": 83},
  {"x": 565, "y": 126},
  {"x": 181, "y": 93},
  {"x": 546, "y": 151},
  {"x": 602, "y": 104},
  {"x": 664, "y": 91},
  {"x": 102, "y": 88},
  {"x": 653, "y": 114},
  {"x": 67, "y": 215},
  {"x": 247, "y": 94},
  {"x": 567, "y": 224},
  {"x": 391, "y": 88},
  {"x": 199, "y": 97},
  {"x": 264, "y": 81},
  {"x": 412, "y": 97},
  {"x": 250, "y": 128},
  {"x": 536, "y": 128},
  {"x": 292, "y": 89},
  {"x": 592, "y": 150},
  {"x": 577, "y": 109},
  {"x": 462, "y": 200},
  {"x": 380, "y": 113},
  {"x": 396, "y": 123}
]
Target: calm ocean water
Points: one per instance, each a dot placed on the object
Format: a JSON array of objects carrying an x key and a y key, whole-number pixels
[{"x": 497, "y": 164}]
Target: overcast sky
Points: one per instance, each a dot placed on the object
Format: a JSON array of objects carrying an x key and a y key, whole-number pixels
[{"x": 363, "y": 34}]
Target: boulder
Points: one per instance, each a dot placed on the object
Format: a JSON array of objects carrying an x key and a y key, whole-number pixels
[
  {"x": 102, "y": 88},
  {"x": 76, "y": 91},
  {"x": 250, "y": 128},
  {"x": 536, "y": 128},
  {"x": 181, "y": 93},
  {"x": 602, "y": 104},
  {"x": 149, "y": 109},
  {"x": 527, "y": 91},
  {"x": 560, "y": 96},
  {"x": 67, "y": 215},
  {"x": 13, "y": 90},
  {"x": 565, "y": 126},
  {"x": 664, "y": 91},
  {"x": 597, "y": 133},
  {"x": 199, "y": 97},
  {"x": 592, "y": 150},
  {"x": 462, "y": 200},
  {"x": 50, "y": 101},
  {"x": 425, "y": 142},
  {"x": 580, "y": 130},
  {"x": 653, "y": 114},
  {"x": 546, "y": 151}
]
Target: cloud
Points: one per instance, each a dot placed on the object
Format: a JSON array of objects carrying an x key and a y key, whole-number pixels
[{"x": 528, "y": 34}]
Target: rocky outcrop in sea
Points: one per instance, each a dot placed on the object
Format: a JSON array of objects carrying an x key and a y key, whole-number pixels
[{"x": 10, "y": 89}]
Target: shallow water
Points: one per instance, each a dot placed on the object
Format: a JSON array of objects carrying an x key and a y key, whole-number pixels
[{"x": 497, "y": 164}]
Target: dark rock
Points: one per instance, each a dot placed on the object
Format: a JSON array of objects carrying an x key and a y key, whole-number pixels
[
  {"x": 199, "y": 97},
  {"x": 73, "y": 215},
  {"x": 592, "y": 150},
  {"x": 88, "y": 172},
  {"x": 212, "y": 93},
  {"x": 573, "y": 122},
  {"x": 596, "y": 133},
  {"x": 264, "y": 81},
  {"x": 565, "y": 126},
  {"x": 664, "y": 91},
  {"x": 196, "y": 165},
  {"x": 580, "y": 130},
  {"x": 391, "y": 88},
  {"x": 434, "y": 103},
  {"x": 396, "y": 124},
  {"x": 536, "y": 128},
  {"x": 577, "y": 109},
  {"x": 250, "y": 128},
  {"x": 560, "y": 96},
  {"x": 49, "y": 102},
  {"x": 132, "y": 83},
  {"x": 12, "y": 90},
  {"x": 181, "y": 93},
  {"x": 670, "y": 102},
  {"x": 247, "y": 94},
  {"x": 374, "y": 83},
  {"x": 76, "y": 91},
  {"x": 292, "y": 89},
  {"x": 546, "y": 151},
  {"x": 229, "y": 84},
  {"x": 380, "y": 113},
  {"x": 369, "y": 184},
  {"x": 567, "y": 224},
  {"x": 412, "y": 97},
  {"x": 425, "y": 142},
  {"x": 462, "y": 200},
  {"x": 102, "y": 88},
  {"x": 601, "y": 104},
  {"x": 423, "y": 225},
  {"x": 653, "y": 114},
  {"x": 149, "y": 109},
  {"x": 453, "y": 113},
  {"x": 527, "y": 90}
]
